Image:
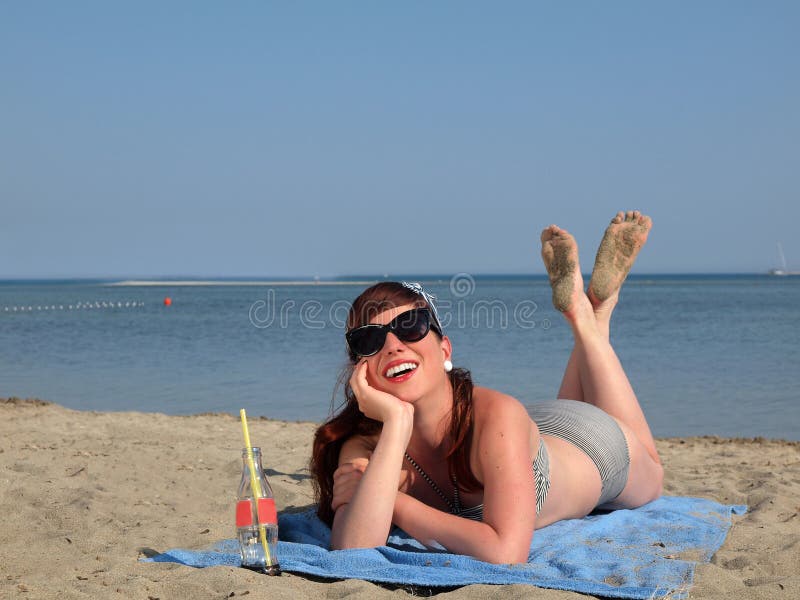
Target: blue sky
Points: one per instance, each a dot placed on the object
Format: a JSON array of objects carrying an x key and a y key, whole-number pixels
[{"x": 326, "y": 138}]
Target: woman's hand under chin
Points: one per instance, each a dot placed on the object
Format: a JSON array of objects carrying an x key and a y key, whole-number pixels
[{"x": 378, "y": 405}]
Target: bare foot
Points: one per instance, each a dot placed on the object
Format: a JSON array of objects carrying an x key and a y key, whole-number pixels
[
  {"x": 622, "y": 241},
  {"x": 560, "y": 255}
]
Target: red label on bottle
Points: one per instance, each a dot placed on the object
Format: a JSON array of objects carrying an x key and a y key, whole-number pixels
[
  {"x": 267, "y": 514},
  {"x": 266, "y": 511},
  {"x": 244, "y": 513}
]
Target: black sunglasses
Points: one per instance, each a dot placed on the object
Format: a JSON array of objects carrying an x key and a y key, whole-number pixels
[{"x": 410, "y": 326}]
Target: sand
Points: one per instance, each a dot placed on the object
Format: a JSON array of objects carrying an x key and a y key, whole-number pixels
[{"x": 84, "y": 495}]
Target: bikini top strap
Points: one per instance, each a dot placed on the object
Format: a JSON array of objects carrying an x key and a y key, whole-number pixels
[{"x": 455, "y": 505}]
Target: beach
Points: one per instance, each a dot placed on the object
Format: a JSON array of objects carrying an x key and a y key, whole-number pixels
[{"x": 85, "y": 495}]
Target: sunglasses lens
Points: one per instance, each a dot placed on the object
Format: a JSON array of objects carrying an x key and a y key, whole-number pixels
[
  {"x": 366, "y": 341},
  {"x": 412, "y": 326}
]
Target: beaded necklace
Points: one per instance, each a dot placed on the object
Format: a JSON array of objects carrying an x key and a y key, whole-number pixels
[{"x": 455, "y": 505}]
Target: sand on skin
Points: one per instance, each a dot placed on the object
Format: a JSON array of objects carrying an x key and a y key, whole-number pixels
[{"x": 83, "y": 495}]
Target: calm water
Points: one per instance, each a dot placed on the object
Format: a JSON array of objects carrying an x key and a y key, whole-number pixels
[{"x": 706, "y": 354}]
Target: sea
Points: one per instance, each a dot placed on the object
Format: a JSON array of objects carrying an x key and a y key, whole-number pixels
[{"x": 706, "y": 354}]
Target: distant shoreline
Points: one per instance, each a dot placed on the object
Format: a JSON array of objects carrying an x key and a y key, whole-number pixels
[
  {"x": 357, "y": 279},
  {"x": 210, "y": 282}
]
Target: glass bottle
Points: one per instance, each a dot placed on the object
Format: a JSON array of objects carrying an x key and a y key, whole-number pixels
[{"x": 256, "y": 518}]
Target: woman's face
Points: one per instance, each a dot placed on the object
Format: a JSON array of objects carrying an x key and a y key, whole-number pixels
[{"x": 407, "y": 370}]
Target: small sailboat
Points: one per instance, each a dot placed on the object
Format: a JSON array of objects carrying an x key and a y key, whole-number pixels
[{"x": 783, "y": 270}]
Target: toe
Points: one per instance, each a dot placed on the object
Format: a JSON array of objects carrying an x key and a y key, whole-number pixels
[
  {"x": 619, "y": 217},
  {"x": 629, "y": 215}
]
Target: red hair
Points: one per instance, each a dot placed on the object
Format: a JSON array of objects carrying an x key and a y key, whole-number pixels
[{"x": 350, "y": 421}]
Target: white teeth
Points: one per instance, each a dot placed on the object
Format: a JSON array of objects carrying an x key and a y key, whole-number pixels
[{"x": 406, "y": 366}]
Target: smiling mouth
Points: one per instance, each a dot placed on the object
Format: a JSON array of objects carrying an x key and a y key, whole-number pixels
[{"x": 400, "y": 370}]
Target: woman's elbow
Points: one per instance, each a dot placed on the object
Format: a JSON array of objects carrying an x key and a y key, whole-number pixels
[
  {"x": 348, "y": 540},
  {"x": 351, "y": 545},
  {"x": 510, "y": 553},
  {"x": 506, "y": 557}
]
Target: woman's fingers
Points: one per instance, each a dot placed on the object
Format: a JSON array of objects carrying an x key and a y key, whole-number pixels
[
  {"x": 366, "y": 395},
  {"x": 343, "y": 494},
  {"x": 357, "y": 464},
  {"x": 360, "y": 464},
  {"x": 374, "y": 403},
  {"x": 359, "y": 381},
  {"x": 359, "y": 376},
  {"x": 345, "y": 481}
]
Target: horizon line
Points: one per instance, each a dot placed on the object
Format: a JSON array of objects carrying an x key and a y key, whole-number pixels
[{"x": 346, "y": 279}]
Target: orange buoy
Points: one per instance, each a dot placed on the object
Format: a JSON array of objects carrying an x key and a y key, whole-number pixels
[{"x": 167, "y": 301}]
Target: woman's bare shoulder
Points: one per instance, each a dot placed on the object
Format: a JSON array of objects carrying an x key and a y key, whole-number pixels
[
  {"x": 493, "y": 410},
  {"x": 488, "y": 402},
  {"x": 501, "y": 424}
]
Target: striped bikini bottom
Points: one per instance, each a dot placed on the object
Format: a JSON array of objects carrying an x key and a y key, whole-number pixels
[{"x": 594, "y": 432}]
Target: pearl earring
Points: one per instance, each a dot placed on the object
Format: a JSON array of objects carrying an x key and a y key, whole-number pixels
[{"x": 448, "y": 366}]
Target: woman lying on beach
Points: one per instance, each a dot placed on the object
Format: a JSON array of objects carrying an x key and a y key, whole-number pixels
[{"x": 469, "y": 468}]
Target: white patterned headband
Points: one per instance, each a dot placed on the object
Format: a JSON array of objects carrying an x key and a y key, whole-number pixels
[{"x": 429, "y": 298}]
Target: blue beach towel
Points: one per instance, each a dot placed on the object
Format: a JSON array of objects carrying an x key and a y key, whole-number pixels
[{"x": 643, "y": 553}]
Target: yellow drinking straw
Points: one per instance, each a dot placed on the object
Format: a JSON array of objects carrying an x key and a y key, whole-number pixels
[{"x": 255, "y": 485}]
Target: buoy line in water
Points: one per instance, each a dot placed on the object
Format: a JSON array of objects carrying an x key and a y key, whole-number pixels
[{"x": 97, "y": 305}]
